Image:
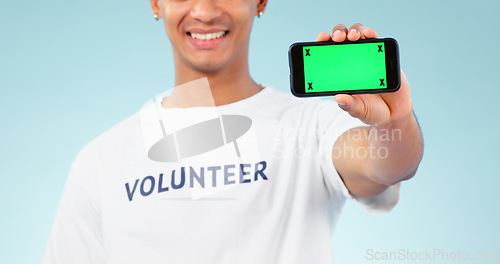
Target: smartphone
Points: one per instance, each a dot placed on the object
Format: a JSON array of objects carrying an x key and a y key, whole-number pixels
[{"x": 350, "y": 67}]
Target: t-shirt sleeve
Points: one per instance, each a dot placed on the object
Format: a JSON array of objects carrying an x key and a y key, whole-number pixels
[
  {"x": 76, "y": 233},
  {"x": 332, "y": 123}
]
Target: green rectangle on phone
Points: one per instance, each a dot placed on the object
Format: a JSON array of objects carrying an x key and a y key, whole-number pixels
[{"x": 344, "y": 67}]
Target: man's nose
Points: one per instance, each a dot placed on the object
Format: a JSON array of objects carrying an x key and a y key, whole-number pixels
[{"x": 205, "y": 10}]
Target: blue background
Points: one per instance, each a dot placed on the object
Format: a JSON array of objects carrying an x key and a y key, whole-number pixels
[{"x": 71, "y": 69}]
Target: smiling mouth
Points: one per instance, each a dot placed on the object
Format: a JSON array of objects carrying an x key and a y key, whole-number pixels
[{"x": 208, "y": 36}]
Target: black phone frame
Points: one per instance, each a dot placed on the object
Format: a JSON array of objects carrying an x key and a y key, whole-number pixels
[{"x": 296, "y": 63}]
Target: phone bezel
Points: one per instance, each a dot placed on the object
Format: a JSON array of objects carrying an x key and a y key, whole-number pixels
[{"x": 296, "y": 60}]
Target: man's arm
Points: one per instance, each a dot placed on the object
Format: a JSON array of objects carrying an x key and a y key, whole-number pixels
[
  {"x": 391, "y": 147},
  {"x": 388, "y": 154},
  {"x": 76, "y": 235}
]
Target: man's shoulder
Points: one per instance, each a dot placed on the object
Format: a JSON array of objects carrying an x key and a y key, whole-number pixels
[
  {"x": 128, "y": 133},
  {"x": 303, "y": 105},
  {"x": 123, "y": 134},
  {"x": 287, "y": 101},
  {"x": 281, "y": 96}
]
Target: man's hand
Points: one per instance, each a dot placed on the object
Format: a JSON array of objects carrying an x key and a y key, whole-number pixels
[
  {"x": 369, "y": 176},
  {"x": 372, "y": 109}
]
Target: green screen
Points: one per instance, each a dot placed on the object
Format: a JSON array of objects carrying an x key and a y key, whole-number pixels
[{"x": 344, "y": 67}]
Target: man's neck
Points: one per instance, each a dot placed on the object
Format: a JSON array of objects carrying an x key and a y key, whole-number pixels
[{"x": 229, "y": 85}]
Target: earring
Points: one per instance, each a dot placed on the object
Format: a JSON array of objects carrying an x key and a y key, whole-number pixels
[
  {"x": 259, "y": 14},
  {"x": 156, "y": 16}
]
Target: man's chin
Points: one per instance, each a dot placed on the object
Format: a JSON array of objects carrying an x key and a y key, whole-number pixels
[{"x": 208, "y": 67}]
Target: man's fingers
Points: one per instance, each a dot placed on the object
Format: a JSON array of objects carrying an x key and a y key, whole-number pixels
[
  {"x": 353, "y": 105},
  {"x": 323, "y": 36},
  {"x": 355, "y": 32},
  {"x": 369, "y": 108},
  {"x": 370, "y": 33},
  {"x": 339, "y": 33},
  {"x": 342, "y": 99}
]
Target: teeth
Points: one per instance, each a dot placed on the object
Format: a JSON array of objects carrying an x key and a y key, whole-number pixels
[{"x": 209, "y": 36}]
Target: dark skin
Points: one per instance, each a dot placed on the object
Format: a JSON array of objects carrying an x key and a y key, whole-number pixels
[
  {"x": 369, "y": 176},
  {"x": 197, "y": 54},
  {"x": 225, "y": 64}
]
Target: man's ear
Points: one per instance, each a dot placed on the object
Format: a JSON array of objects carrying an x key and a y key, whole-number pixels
[
  {"x": 155, "y": 8},
  {"x": 261, "y": 5}
]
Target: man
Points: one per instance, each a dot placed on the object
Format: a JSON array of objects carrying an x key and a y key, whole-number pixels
[{"x": 124, "y": 204}]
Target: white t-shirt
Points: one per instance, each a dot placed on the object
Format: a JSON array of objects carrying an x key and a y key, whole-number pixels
[{"x": 273, "y": 197}]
